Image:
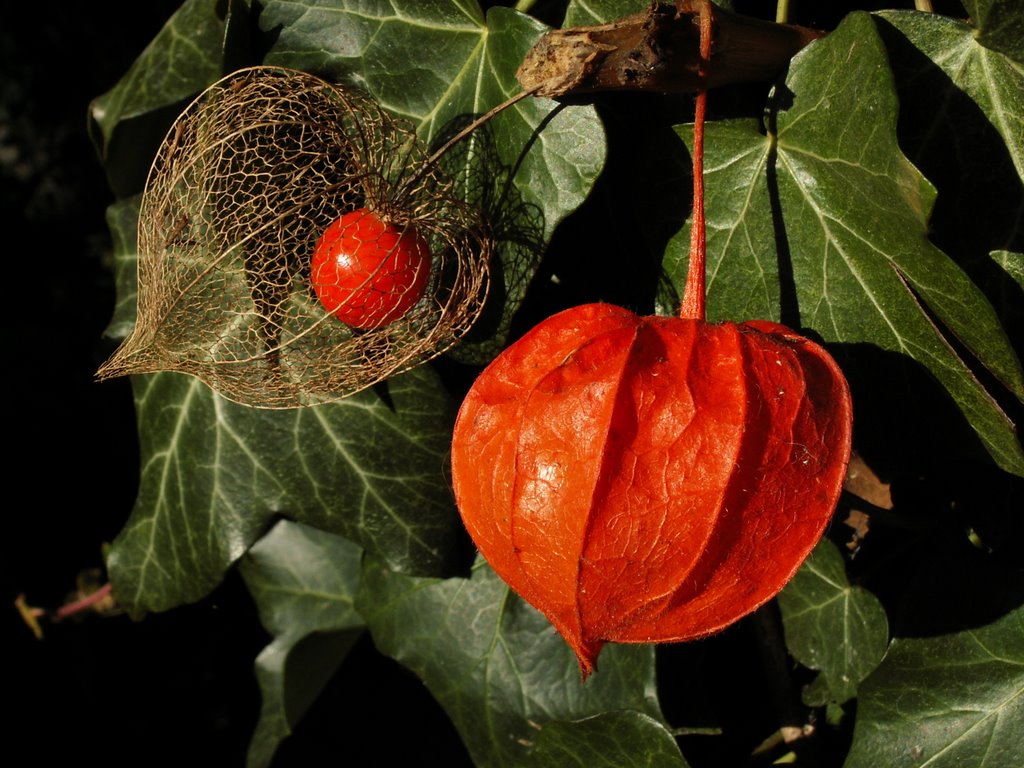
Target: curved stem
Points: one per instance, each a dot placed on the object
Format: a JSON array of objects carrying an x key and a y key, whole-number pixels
[
  {"x": 439, "y": 153},
  {"x": 476, "y": 124},
  {"x": 694, "y": 295}
]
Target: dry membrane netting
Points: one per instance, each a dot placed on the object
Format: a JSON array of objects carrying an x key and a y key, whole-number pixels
[{"x": 247, "y": 179}]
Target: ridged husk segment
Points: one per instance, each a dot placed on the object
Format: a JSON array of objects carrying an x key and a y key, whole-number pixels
[
  {"x": 247, "y": 179},
  {"x": 650, "y": 479}
]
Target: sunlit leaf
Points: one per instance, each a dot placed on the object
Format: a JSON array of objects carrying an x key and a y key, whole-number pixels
[
  {"x": 589, "y": 12},
  {"x": 1000, "y": 25},
  {"x": 823, "y": 223},
  {"x": 952, "y": 700},
  {"x": 1012, "y": 263},
  {"x": 215, "y": 474}
]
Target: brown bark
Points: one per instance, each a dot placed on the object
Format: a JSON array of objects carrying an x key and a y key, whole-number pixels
[{"x": 658, "y": 50}]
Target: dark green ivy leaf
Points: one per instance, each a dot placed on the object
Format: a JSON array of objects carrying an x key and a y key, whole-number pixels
[
  {"x": 1000, "y": 25},
  {"x": 591, "y": 12},
  {"x": 962, "y": 124},
  {"x": 620, "y": 739},
  {"x": 304, "y": 583},
  {"x": 952, "y": 700},
  {"x": 494, "y": 663},
  {"x": 215, "y": 474},
  {"x": 123, "y": 223},
  {"x": 831, "y": 626},
  {"x": 823, "y": 223},
  {"x": 1012, "y": 264},
  {"x": 129, "y": 120}
]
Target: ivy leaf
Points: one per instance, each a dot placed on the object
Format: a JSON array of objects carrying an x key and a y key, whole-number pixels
[
  {"x": 128, "y": 121},
  {"x": 493, "y": 662},
  {"x": 621, "y": 739},
  {"x": 532, "y": 165},
  {"x": 1000, "y": 25},
  {"x": 1012, "y": 263},
  {"x": 215, "y": 474},
  {"x": 962, "y": 124},
  {"x": 823, "y": 223},
  {"x": 304, "y": 583},
  {"x": 582, "y": 14},
  {"x": 952, "y": 700},
  {"x": 123, "y": 223},
  {"x": 832, "y": 626}
]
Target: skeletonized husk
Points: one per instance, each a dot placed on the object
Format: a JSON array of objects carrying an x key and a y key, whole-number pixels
[{"x": 247, "y": 179}]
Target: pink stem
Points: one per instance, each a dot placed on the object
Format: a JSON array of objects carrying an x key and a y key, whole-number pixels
[{"x": 80, "y": 605}]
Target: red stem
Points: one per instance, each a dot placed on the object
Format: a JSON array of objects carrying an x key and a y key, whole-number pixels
[
  {"x": 695, "y": 292},
  {"x": 80, "y": 605}
]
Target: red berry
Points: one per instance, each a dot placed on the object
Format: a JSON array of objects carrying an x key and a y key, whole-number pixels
[{"x": 368, "y": 272}]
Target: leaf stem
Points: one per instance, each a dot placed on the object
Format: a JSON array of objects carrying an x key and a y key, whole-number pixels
[
  {"x": 694, "y": 295},
  {"x": 80, "y": 605},
  {"x": 925, "y": 6},
  {"x": 782, "y": 12},
  {"x": 524, "y": 6}
]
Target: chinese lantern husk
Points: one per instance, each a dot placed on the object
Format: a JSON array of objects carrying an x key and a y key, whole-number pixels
[{"x": 650, "y": 479}]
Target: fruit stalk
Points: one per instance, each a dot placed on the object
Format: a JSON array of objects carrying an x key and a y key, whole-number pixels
[{"x": 694, "y": 295}]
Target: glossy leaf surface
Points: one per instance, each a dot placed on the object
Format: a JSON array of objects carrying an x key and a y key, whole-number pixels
[
  {"x": 820, "y": 605},
  {"x": 823, "y": 222},
  {"x": 956, "y": 699},
  {"x": 304, "y": 583},
  {"x": 493, "y": 662}
]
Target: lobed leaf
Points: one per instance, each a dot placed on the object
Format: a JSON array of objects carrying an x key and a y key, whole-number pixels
[
  {"x": 832, "y": 626},
  {"x": 216, "y": 474},
  {"x": 823, "y": 223},
  {"x": 304, "y": 583},
  {"x": 962, "y": 124},
  {"x": 620, "y": 739},
  {"x": 494, "y": 663},
  {"x": 952, "y": 700},
  {"x": 128, "y": 121}
]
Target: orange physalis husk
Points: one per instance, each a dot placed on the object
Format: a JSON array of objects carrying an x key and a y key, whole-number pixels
[{"x": 650, "y": 479}]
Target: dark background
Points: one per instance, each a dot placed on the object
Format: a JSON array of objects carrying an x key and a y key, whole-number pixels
[{"x": 154, "y": 692}]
